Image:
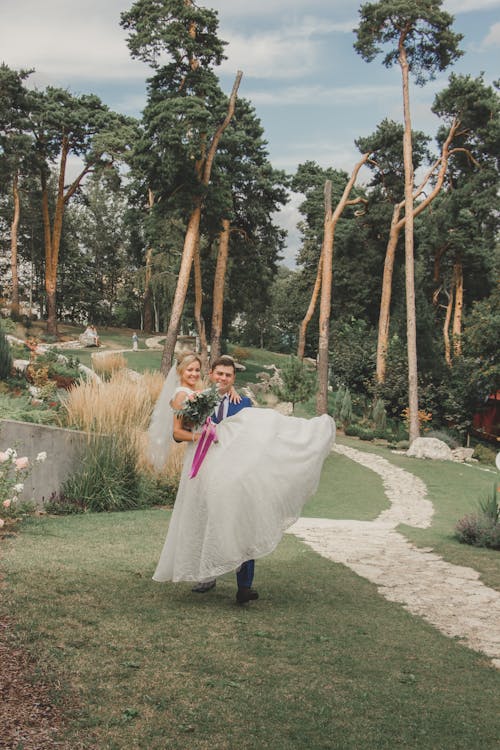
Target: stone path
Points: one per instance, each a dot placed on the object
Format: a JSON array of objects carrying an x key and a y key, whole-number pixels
[{"x": 450, "y": 597}]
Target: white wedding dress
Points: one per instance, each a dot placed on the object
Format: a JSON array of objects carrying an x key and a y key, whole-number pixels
[{"x": 251, "y": 486}]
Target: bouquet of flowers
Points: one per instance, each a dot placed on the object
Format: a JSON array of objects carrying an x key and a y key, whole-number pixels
[{"x": 198, "y": 407}]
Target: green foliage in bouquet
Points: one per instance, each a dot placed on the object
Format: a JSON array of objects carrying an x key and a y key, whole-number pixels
[{"x": 198, "y": 407}]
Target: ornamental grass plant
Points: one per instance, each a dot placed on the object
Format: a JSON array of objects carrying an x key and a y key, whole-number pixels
[
  {"x": 107, "y": 363},
  {"x": 116, "y": 473}
]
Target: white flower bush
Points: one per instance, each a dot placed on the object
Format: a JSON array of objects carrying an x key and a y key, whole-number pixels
[{"x": 13, "y": 469}]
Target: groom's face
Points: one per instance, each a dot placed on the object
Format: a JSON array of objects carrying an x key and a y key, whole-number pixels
[{"x": 223, "y": 376}]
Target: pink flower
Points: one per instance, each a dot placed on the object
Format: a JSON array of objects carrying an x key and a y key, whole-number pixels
[
  {"x": 4, "y": 457},
  {"x": 1, "y": 522},
  {"x": 21, "y": 463},
  {"x": 7, "y": 503}
]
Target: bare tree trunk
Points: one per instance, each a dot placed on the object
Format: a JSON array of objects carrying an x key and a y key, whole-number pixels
[
  {"x": 325, "y": 303},
  {"x": 148, "y": 302},
  {"x": 331, "y": 220},
  {"x": 396, "y": 226},
  {"x": 198, "y": 317},
  {"x": 190, "y": 241},
  {"x": 446, "y": 330},
  {"x": 385, "y": 300},
  {"x": 148, "y": 307},
  {"x": 218, "y": 293},
  {"x": 192, "y": 235},
  {"x": 312, "y": 306},
  {"x": 411, "y": 327},
  {"x": 14, "y": 227},
  {"x": 458, "y": 274},
  {"x": 53, "y": 232}
]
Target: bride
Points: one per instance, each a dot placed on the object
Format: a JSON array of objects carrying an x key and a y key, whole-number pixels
[{"x": 250, "y": 487}]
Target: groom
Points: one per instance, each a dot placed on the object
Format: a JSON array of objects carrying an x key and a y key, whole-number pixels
[{"x": 223, "y": 374}]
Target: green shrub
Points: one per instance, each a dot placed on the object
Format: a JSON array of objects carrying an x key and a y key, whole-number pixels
[
  {"x": 298, "y": 382},
  {"x": 484, "y": 454},
  {"x": 346, "y": 409},
  {"x": 380, "y": 415},
  {"x": 364, "y": 433},
  {"x": 240, "y": 354},
  {"x": 7, "y": 325},
  {"x": 109, "y": 479},
  {"x": 481, "y": 529},
  {"x": 339, "y": 397},
  {"x": 5, "y": 357}
]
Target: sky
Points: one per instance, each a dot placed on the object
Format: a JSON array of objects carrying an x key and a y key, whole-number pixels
[{"x": 313, "y": 94}]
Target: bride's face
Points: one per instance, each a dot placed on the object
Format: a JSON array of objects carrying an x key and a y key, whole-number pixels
[{"x": 191, "y": 374}]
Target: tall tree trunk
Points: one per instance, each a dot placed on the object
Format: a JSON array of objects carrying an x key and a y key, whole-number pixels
[
  {"x": 14, "y": 227},
  {"x": 396, "y": 226},
  {"x": 192, "y": 235},
  {"x": 411, "y": 327},
  {"x": 218, "y": 292},
  {"x": 331, "y": 220},
  {"x": 190, "y": 241},
  {"x": 446, "y": 329},
  {"x": 458, "y": 274},
  {"x": 312, "y": 306},
  {"x": 148, "y": 303},
  {"x": 325, "y": 303},
  {"x": 198, "y": 301},
  {"x": 52, "y": 232},
  {"x": 385, "y": 299}
]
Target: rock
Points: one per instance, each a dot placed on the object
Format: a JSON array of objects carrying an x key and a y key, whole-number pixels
[
  {"x": 21, "y": 364},
  {"x": 430, "y": 448},
  {"x": 462, "y": 454}
]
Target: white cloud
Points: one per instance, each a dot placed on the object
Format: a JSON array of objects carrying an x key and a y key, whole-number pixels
[
  {"x": 46, "y": 36},
  {"x": 321, "y": 94},
  {"x": 468, "y": 6},
  {"x": 291, "y": 51},
  {"x": 493, "y": 37}
]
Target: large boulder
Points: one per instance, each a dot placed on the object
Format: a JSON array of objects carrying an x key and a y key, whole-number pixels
[{"x": 430, "y": 448}]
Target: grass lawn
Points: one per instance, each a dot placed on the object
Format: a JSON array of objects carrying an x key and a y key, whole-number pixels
[{"x": 321, "y": 661}]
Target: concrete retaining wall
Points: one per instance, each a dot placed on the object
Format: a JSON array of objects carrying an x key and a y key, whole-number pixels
[{"x": 64, "y": 450}]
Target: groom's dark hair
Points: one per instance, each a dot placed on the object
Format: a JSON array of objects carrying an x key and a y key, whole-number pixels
[{"x": 225, "y": 360}]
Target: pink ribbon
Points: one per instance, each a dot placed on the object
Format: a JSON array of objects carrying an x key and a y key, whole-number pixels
[{"x": 208, "y": 436}]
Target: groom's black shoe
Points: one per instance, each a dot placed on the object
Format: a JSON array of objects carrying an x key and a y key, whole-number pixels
[{"x": 246, "y": 594}]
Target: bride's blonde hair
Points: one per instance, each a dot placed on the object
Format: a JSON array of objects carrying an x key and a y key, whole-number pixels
[{"x": 184, "y": 359}]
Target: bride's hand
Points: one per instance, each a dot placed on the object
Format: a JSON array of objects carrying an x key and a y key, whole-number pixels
[{"x": 234, "y": 396}]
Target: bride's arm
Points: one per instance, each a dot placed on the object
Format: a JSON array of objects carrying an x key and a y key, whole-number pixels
[
  {"x": 234, "y": 396},
  {"x": 180, "y": 434}
]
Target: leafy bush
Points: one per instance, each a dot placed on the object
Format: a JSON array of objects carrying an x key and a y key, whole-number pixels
[
  {"x": 484, "y": 454},
  {"x": 240, "y": 353},
  {"x": 7, "y": 325},
  {"x": 346, "y": 409},
  {"x": 298, "y": 381},
  {"x": 357, "y": 430},
  {"x": 5, "y": 357},
  {"x": 108, "y": 479},
  {"x": 379, "y": 414}
]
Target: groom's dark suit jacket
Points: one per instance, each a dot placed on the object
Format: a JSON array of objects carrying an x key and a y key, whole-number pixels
[{"x": 235, "y": 408}]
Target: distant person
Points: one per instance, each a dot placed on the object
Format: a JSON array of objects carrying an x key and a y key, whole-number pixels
[
  {"x": 93, "y": 331},
  {"x": 135, "y": 342}
]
